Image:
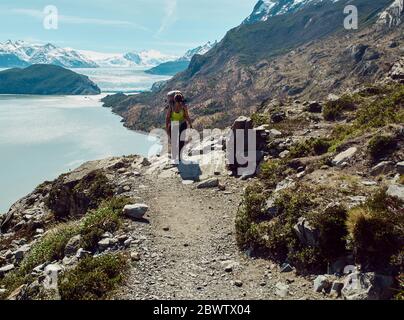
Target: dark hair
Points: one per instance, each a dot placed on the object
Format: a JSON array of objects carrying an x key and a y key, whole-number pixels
[{"x": 179, "y": 98}]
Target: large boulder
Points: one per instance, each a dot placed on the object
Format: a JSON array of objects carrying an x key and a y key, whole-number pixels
[
  {"x": 308, "y": 235},
  {"x": 397, "y": 191},
  {"x": 367, "y": 286},
  {"x": 72, "y": 246},
  {"x": 135, "y": 211}
]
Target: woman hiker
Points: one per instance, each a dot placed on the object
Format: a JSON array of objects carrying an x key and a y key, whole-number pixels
[{"x": 177, "y": 121}]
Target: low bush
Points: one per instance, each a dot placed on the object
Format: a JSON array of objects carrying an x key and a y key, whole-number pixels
[
  {"x": 272, "y": 172},
  {"x": 50, "y": 248},
  {"x": 376, "y": 231},
  {"x": 334, "y": 110},
  {"x": 310, "y": 147},
  {"x": 380, "y": 146},
  {"x": 107, "y": 218},
  {"x": 260, "y": 119},
  {"x": 93, "y": 278}
]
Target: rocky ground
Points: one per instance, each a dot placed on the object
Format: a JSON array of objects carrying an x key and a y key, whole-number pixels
[{"x": 187, "y": 249}]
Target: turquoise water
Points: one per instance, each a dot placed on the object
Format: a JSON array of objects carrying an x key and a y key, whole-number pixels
[{"x": 42, "y": 137}]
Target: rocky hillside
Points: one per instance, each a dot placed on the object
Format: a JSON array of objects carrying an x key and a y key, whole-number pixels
[
  {"x": 46, "y": 80},
  {"x": 324, "y": 210},
  {"x": 303, "y": 54}
]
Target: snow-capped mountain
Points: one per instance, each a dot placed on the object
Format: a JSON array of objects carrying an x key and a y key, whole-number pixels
[
  {"x": 198, "y": 50},
  {"x": 180, "y": 64},
  {"x": 266, "y": 9},
  {"x": 21, "y": 54},
  {"x": 131, "y": 59}
]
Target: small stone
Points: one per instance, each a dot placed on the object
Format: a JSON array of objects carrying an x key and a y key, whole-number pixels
[
  {"x": 369, "y": 183},
  {"x": 104, "y": 244},
  {"x": 284, "y": 154},
  {"x": 81, "y": 253},
  {"x": 281, "y": 290},
  {"x": 127, "y": 243},
  {"x": 321, "y": 283},
  {"x": 238, "y": 283},
  {"x": 40, "y": 231},
  {"x": 345, "y": 156},
  {"x": 382, "y": 168},
  {"x": 123, "y": 238},
  {"x": 135, "y": 256},
  {"x": 210, "y": 183},
  {"x": 135, "y": 211},
  {"x": 273, "y": 133},
  {"x": 6, "y": 269},
  {"x": 187, "y": 182}
]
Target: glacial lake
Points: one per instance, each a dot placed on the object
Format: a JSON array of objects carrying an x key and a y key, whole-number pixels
[{"x": 44, "y": 136}]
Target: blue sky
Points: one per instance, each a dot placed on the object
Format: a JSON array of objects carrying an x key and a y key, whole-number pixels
[{"x": 170, "y": 26}]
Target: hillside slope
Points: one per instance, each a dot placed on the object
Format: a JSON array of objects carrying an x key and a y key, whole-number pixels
[
  {"x": 298, "y": 55},
  {"x": 44, "y": 79}
]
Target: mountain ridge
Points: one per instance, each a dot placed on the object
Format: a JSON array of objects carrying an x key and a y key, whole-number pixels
[
  {"x": 257, "y": 62},
  {"x": 44, "y": 79}
]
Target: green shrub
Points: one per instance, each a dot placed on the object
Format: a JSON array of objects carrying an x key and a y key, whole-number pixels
[
  {"x": 375, "y": 229},
  {"x": 107, "y": 218},
  {"x": 51, "y": 247},
  {"x": 93, "y": 278},
  {"x": 382, "y": 110},
  {"x": 334, "y": 110},
  {"x": 260, "y": 119},
  {"x": 332, "y": 231},
  {"x": 272, "y": 172},
  {"x": 380, "y": 146},
  {"x": 310, "y": 147}
]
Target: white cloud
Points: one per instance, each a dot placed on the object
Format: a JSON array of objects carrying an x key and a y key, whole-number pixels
[
  {"x": 170, "y": 15},
  {"x": 79, "y": 20}
]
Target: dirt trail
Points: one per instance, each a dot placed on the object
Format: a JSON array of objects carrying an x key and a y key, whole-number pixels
[{"x": 188, "y": 248}]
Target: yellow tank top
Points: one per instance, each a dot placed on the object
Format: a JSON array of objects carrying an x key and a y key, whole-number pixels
[{"x": 178, "y": 116}]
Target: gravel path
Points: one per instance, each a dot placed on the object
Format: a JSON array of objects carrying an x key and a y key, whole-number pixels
[{"x": 188, "y": 249}]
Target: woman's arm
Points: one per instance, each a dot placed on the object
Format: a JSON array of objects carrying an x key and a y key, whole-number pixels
[
  {"x": 187, "y": 118},
  {"x": 168, "y": 121}
]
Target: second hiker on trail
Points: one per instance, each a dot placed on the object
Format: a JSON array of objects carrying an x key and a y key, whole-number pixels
[{"x": 177, "y": 121}]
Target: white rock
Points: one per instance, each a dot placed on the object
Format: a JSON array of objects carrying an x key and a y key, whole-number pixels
[
  {"x": 321, "y": 283},
  {"x": 397, "y": 191},
  {"x": 281, "y": 290},
  {"x": 367, "y": 286},
  {"x": 273, "y": 133},
  {"x": 135, "y": 211},
  {"x": 6, "y": 269},
  {"x": 344, "y": 156},
  {"x": 51, "y": 273},
  {"x": 104, "y": 244}
]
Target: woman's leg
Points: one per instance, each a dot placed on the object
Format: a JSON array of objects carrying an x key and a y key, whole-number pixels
[{"x": 183, "y": 127}]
